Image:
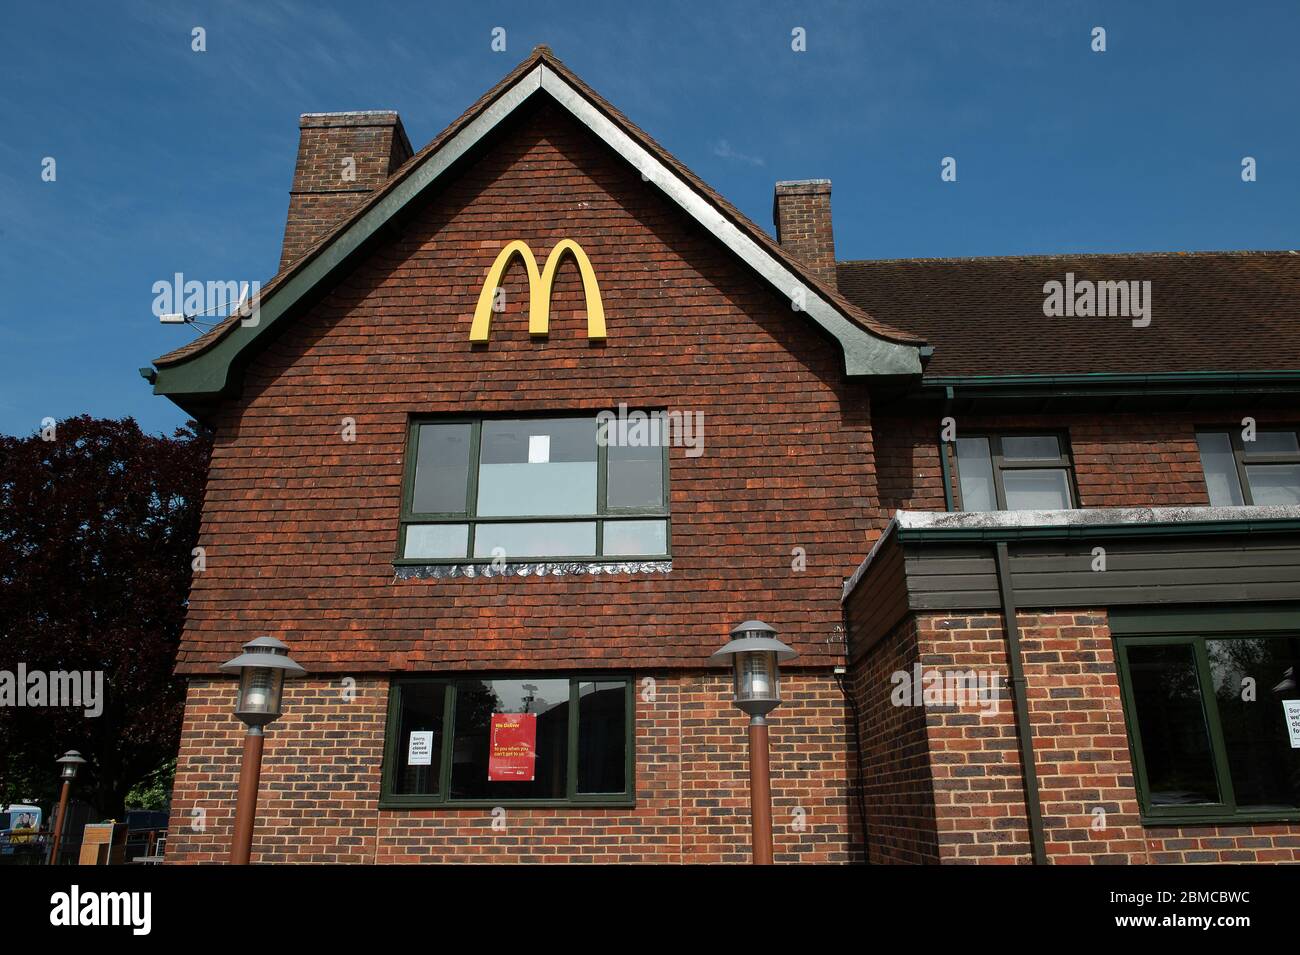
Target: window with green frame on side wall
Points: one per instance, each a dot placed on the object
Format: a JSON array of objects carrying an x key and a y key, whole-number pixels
[
  {"x": 501, "y": 740},
  {"x": 1213, "y": 711},
  {"x": 530, "y": 489},
  {"x": 1263, "y": 470},
  {"x": 1012, "y": 472}
]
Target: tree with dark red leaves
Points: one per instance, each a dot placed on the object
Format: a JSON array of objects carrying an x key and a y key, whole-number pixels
[{"x": 97, "y": 525}]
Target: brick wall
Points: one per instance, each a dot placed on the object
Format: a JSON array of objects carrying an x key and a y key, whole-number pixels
[
  {"x": 300, "y": 527},
  {"x": 1090, "y": 807},
  {"x": 320, "y": 772},
  {"x": 323, "y": 759},
  {"x": 1120, "y": 460},
  {"x": 898, "y": 783}
]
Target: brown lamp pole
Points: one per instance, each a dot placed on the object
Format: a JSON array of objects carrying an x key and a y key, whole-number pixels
[
  {"x": 70, "y": 762},
  {"x": 262, "y": 669},
  {"x": 756, "y": 656}
]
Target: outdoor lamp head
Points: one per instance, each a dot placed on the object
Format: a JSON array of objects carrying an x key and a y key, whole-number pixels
[
  {"x": 756, "y": 656},
  {"x": 262, "y": 667},
  {"x": 69, "y": 763}
]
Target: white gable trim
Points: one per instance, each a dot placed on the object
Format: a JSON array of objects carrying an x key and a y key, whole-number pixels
[
  {"x": 210, "y": 371},
  {"x": 864, "y": 353}
]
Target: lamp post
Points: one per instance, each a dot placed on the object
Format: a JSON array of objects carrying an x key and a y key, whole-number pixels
[
  {"x": 68, "y": 763},
  {"x": 756, "y": 656},
  {"x": 262, "y": 669}
]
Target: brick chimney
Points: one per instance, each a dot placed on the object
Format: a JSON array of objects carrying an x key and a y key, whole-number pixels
[
  {"x": 801, "y": 211},
  {"x": 342, "y": 158}
]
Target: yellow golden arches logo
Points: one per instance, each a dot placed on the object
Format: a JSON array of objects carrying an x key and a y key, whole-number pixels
[{"x": 539, "y": 289}]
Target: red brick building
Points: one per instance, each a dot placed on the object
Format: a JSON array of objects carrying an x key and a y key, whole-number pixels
[{"x": 886, "y": 461}]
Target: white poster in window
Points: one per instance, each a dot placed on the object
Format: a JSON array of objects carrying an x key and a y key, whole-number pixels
[
  {"x": 539, "y": 449},
  {"x": 1291, "y": 712},
  {"x": 419, "y": 749}
]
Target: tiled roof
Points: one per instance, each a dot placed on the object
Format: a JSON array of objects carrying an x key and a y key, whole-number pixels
[{"x": 1211, "y": 311}]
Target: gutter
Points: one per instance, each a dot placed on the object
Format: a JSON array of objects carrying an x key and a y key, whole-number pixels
[
  {"x": 1114, "y": 378},
  {"x": 945, "y": 466},
  {"x": 1284, "y": 381}
]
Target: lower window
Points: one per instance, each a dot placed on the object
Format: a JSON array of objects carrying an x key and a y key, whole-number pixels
[
  {"x": 496, "y": 740},
  {"x": 1215, "y": 724}
]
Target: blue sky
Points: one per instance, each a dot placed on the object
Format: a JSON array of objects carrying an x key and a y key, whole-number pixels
[{"x": 170, "y": 160}]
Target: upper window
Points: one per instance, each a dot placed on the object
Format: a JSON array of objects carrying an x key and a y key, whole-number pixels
[
  {"x": 531, "y": 489},
  {"x": 1263, "y": 471},
  {"x": 1014, "y": 472},
  {"x": 512, "y": 738},
  {"x": 1215, "y": 723}
]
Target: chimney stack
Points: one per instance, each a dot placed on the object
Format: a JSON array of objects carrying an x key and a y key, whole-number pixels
[
  {"x": 801, "y": 211},
  {"x": 342, "y": 159}
]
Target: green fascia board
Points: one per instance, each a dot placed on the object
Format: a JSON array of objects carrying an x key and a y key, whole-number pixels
[
  {"x": 1181, "y": 382},
  {"x": 1158, "y": 621},
  {"x": 1154, "y": 529}
]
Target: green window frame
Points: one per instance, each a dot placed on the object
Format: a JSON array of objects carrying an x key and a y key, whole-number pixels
[
  {"x": 1062, "y": 461},
  {"x": 389, "y": 798},
  {"x": 605, "y": 516},
  {"x": 1192, "y": 628}
]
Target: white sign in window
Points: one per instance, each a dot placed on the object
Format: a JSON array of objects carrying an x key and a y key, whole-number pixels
[
  {"x": 419, "y": 749},
  {"x": 1291, "y": 712},
  {"x": 539, "y": 449}
]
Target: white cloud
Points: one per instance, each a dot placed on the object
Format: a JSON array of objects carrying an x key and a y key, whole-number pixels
[{"x": 723, "y": 150}]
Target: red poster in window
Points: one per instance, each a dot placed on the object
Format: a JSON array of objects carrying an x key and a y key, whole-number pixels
[{"x": 512, "y": 753}]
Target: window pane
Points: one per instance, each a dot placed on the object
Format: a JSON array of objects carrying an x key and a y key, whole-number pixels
[
  {"x": 420, "y": 713},
  {"x": 544, "y": 774},
  {"x": 1042, "y": 489},
  {"x": 441, "y": 469},
  {"x": 634, "y": 476},
  {"x": 636, "y": 538},
  {"x": 436, "y": 541},
  {"x": 544, "y": 539},
  {"x": 1171, "y": 725},
  {"x": 1220, "y": 469},
  {"x": 1265, "y": 768},
  {"x": 1274, "y": 483},
  {"x": 975, "y": 475},
  {"x": 1030, "y": 447},
  {"x": 1273, "y": 442},
  {"x": 537, "y": 466},
  {"x": 602, "y": 737}
]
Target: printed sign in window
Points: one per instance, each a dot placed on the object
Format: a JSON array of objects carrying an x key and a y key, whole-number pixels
[
  {"x": 512, "y": 756},
  {"x": 1291, "y": 712},
  {"x": 539, "y": 449},
  {"x": 419, "y": 749}
]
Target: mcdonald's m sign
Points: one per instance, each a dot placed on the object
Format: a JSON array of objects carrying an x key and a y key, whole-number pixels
[{"x": 539, "y": 290}]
